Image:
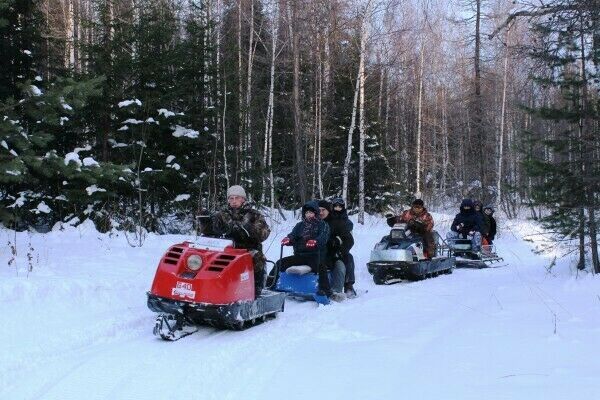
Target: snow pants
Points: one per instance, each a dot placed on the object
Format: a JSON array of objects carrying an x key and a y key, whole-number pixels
[{"x": 475, "y": 239}]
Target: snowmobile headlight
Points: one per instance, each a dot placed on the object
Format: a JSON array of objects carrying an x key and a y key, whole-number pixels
[{"x": 194, "y": 262}]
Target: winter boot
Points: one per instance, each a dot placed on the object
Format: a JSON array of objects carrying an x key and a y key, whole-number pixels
[
  {"x": 349, "y": 291},
  {"x": 337, "y": 297}
]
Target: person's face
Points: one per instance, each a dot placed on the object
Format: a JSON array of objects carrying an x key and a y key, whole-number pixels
[
  {"x": 323, "y": 212},
  {"x": 417, "y": 209},
  {"x": 466, "y": 208},
  {"x": 309, "y": 214},
  {"x": 477, "y": 208},
  {"x": 487, "y": 211},
  {"x": 338, "y": 207},
  {"x": 235, "y": 201}
]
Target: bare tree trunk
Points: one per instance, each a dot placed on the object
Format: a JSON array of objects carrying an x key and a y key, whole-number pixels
[
  {"x": 477, "y": 115},
  {"x": 240, "y": 153},
  {"x": 361, "y": 130},
  {"x": 299, "y": 139},
  {"x": 380, "y": 96},
  {"x": 346, "y": 170},
  {"x": 248, "y": 114},
  {"x": 361, "y": 115},
  {"x": 221, "y": 114},
  {"x": 69, "y": 21},
  {"x": 268, "y": 145},
  {"x": 445, "y": 150},
  {"x": 418, "y": 193},
  {"x": 502, "y": 125},
  {"x": 387, "y": 110},
  {"x": 225, "y": 169},
  {"x": 319, "y": 126}
]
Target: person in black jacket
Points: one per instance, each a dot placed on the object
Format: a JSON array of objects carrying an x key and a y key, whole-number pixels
[
  {"x": 338, "y": 212},
  {"x": 467, "y": 223},
  {"x": 489, "y": 213},
  {"x": 338, "y": 247},
  {"x": 485, "y": 222}
]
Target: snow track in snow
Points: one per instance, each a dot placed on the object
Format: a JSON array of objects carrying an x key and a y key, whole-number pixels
[{"x": 78, "y": 327}]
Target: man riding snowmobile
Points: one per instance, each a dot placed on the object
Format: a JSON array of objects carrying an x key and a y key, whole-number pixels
[
  {"x": 419, "y": 221},
  {"x": 244, "y": 225},
  {"x": 467, "y": 223}
]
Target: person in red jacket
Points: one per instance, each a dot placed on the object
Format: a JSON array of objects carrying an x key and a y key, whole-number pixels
[{"x": 418, "y": 221}]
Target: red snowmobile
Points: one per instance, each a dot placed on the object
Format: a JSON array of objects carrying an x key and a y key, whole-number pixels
[{"x": 208, "y": 282}]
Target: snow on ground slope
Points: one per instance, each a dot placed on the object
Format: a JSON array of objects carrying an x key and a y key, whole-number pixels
[{"x": 77, "y": 327}]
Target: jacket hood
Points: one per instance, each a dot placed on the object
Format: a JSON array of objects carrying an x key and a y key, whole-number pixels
[
  {"x": 466, "y": 203},
  {"x": 312, "y": 205}
]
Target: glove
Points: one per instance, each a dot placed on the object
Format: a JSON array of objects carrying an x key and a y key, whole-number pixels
[
  {"x": 286, "y": 241},
  {"x": 311, "y": 243},
  {"x": 239, "y": 232},
  {"x": 389, "y": 214}
]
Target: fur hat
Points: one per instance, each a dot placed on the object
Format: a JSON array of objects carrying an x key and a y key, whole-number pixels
[{"x": 236, "y": 190}]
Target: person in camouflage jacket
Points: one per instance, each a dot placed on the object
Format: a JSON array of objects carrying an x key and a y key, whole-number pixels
[
  {"x": 244, "y": 225},
  {"x": 419, "y": 221}
]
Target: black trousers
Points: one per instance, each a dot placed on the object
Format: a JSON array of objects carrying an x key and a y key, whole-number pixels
[{"x": 349, "y": 263}]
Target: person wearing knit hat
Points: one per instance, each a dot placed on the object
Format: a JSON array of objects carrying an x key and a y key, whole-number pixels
[
  {"x": 236, "y": 190},
  {"x": 244, "y": 225}
]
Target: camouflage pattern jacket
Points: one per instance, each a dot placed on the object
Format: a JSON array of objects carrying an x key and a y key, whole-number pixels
[
  {"x": 246, "y": 226},
  {"x": 424, "y": 219}
]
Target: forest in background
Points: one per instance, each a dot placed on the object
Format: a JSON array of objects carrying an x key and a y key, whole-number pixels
[{"x": 137, "y": 113}]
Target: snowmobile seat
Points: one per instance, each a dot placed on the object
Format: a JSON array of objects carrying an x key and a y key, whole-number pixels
[{"x": 299, "y": 270}]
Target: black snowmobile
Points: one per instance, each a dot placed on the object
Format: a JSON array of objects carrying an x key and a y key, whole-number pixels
[{"x": 399, "y": 256}]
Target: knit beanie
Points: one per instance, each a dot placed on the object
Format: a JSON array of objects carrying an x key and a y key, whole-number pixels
[{"x": 236, "y": 190}]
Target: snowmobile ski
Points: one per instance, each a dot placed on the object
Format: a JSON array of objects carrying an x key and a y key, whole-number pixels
[{"x": 171, "y": 328}]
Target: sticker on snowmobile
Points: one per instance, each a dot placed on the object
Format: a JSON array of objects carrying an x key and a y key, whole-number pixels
[
  {"x": 207, "y": 243},
  {"x": 183, "y": 289},
  {"x": 244, "y": 276}
]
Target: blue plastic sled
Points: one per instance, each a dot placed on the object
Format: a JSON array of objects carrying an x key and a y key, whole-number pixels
[{"x": 304, "y": 286}]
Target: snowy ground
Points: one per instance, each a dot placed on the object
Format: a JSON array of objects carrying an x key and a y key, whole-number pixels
[{"x": 77, "y": 327}]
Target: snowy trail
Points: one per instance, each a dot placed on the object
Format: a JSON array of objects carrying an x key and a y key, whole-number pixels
[{"x": 78, "y": 327}]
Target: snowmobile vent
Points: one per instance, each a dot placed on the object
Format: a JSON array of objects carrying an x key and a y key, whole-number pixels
[
  {"x": 173, "y": 255},
  {"x": 221, "y": 262}
]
